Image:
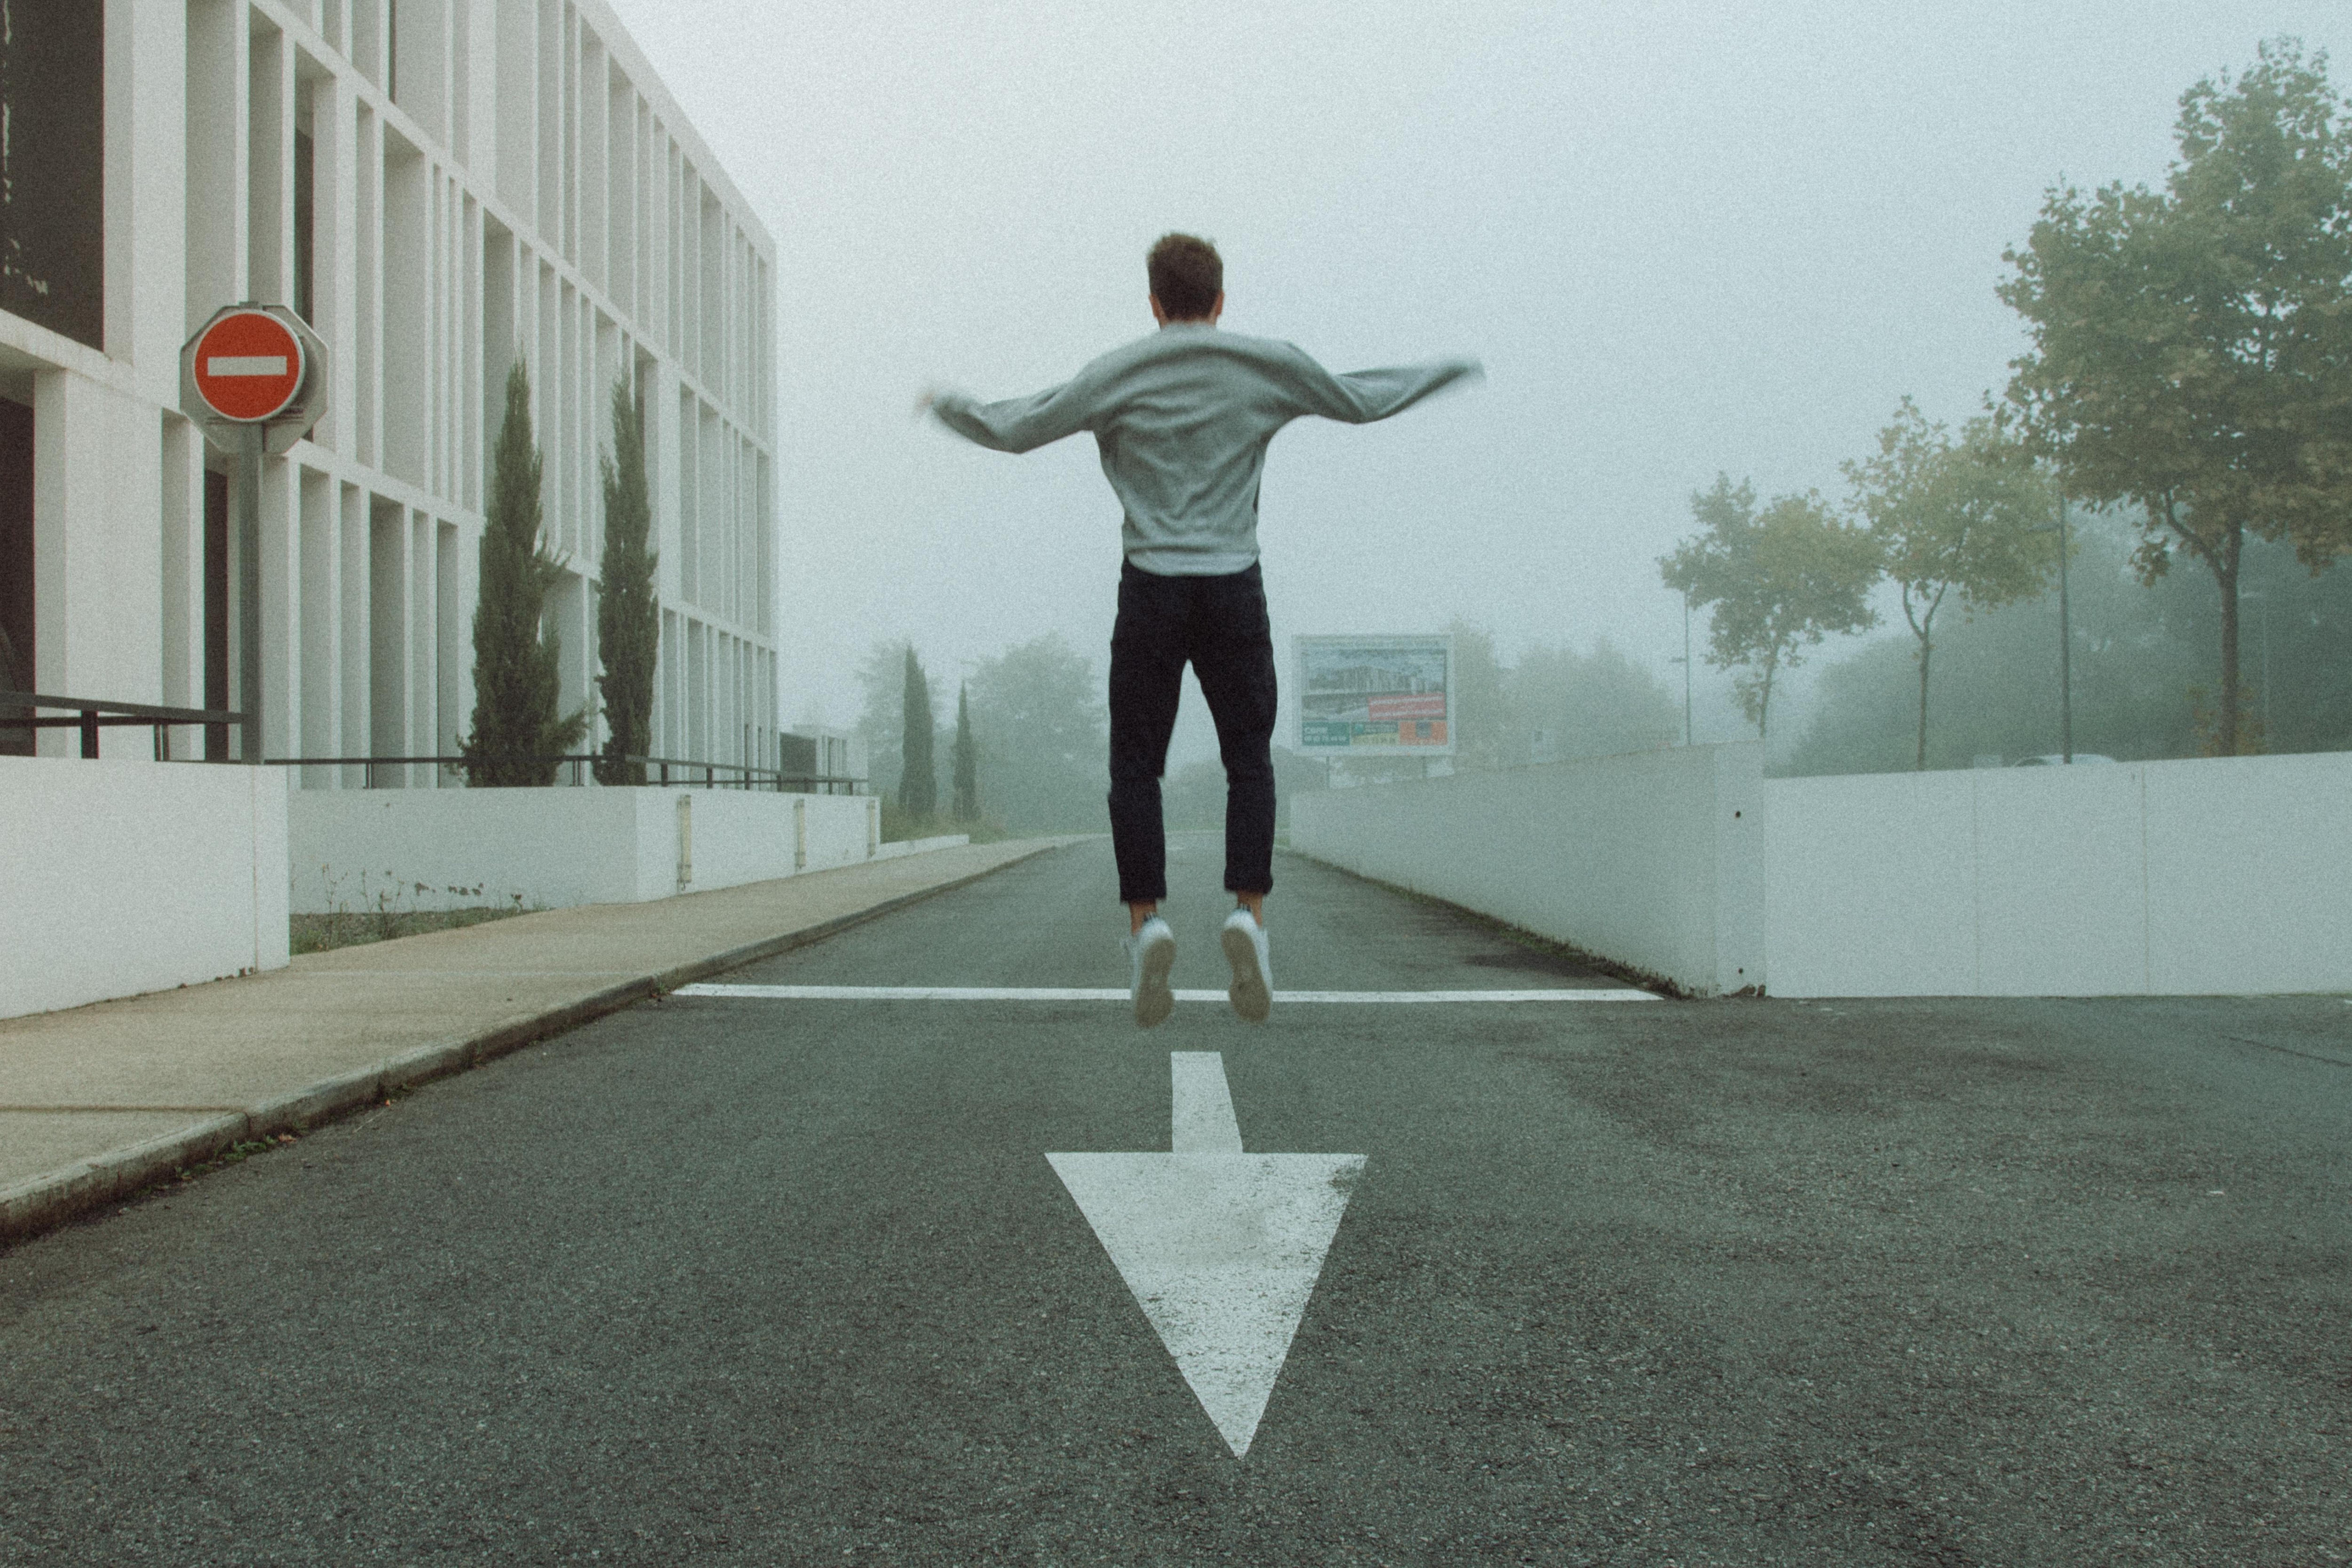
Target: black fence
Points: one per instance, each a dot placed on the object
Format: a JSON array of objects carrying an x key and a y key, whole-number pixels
[
  {"x": 22, "y": 711},
  {"x": 581, "y": 766}
]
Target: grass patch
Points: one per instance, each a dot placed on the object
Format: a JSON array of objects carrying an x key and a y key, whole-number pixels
[
  {"x": 350, "y": 929},
  {"x": 899, "y": 827}
]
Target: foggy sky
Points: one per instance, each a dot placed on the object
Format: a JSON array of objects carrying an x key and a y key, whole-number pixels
[{"x": 1684, "y": 238}]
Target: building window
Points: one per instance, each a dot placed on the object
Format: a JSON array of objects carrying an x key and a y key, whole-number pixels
[
  {"x": 305, "y": 220},
  {"x": 53, "y": 166},
  {"x": 17, "y": 672}
]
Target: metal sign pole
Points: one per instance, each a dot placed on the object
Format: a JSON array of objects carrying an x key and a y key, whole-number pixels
[
  {"x": 253, "y": 373},
  {"x": 249, "y": 589}
]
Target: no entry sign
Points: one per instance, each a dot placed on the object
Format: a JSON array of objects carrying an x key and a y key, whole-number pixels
[
  {"x": 253, "y": 366},
  {"x": 248, "y": 365}
]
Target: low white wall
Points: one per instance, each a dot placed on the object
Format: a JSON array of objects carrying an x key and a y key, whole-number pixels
[
  {"x": 2230, "y": 876},
  {"x": 451, "y": 849},
  {"x": 118, "y": 877},
  {"x": 1653, "y": 860},
  {"x": 2210, "y": 877}
]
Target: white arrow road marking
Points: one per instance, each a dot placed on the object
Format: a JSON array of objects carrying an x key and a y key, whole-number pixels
[
  {"x": 1080, "y": 994},
  {"x": 245, "y": 365},
  {"x": 1222, "y": 1248},
  {"x": 1200, "y": 1106}
]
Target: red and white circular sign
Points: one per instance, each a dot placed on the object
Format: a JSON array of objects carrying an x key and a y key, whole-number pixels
[{"x": 249, "y": 366}]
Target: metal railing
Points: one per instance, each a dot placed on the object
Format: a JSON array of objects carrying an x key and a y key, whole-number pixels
[
  {"x": 667, "y": 770},
  {"x": 18, "y": 710},
  {"x": 21, "y": 711}
]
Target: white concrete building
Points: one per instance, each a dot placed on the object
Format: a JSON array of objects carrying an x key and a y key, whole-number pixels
[{"x": 438, "y": 186}]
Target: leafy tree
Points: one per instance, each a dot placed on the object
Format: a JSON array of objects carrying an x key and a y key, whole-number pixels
[
  {"x": 1483, "y": 726},
  {"x": 1953, "y": 518},
  {"x": 628, "y": 614},
  {"x": 1194, "y": 795},
  {"x": 1047, "y": 753},
  {"x": 967, "y": 760},
  {"x": 1594, "y": 704},
  {"x": 2192, "y": 346},
  {"x": 1553, "y": 705},
  {"x": 2138, "y": 651},
  {"x": 918, "y": 781},
  {"x": 517, "y": 725},
  {"x": 881, "y": 721},
  {"x": 1778, "y": 581}
]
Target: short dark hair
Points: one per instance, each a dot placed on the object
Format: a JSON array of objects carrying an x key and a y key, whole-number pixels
[{"x": 1187, "y": 275}]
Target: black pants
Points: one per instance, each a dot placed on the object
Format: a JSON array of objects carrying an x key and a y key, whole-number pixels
[{"x": 1219, "y": 624}]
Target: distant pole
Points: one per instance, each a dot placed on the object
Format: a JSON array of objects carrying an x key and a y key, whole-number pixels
[
  {"x": 2262, "y": 598},
  {"x": 2267, "y": 674},
  {"x": 1686, "y": 669},
  {"x": 2066, "y": 648}
]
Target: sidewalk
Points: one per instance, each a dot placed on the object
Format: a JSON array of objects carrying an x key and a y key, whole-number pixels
[{"x": 100, "y": 1101}]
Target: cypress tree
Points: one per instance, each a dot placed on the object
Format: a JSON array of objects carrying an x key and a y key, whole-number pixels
[
  {"x": 517, "y": 725},
  {"x": 967, "y": 761},
  {"x": 628, "y": 616},
  {"x": 918, "y": 782}
]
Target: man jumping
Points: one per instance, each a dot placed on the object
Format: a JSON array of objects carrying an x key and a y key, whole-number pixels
[{"x": 1182, "y": 419}]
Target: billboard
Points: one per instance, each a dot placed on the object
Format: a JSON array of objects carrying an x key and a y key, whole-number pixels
[{"x": 1375, "y": 696}]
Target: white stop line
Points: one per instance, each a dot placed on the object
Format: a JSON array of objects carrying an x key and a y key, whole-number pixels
[{"x": 1079, "y": 994}]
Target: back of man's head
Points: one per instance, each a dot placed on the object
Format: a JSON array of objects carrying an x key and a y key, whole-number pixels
[{"x": 1187, "y": 277}]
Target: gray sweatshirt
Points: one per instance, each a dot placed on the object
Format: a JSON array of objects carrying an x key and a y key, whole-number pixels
[{"x": 1182, "y": 419}]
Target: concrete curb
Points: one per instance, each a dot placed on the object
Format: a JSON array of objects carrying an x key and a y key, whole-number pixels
[{"x": 43, "y": 1202}]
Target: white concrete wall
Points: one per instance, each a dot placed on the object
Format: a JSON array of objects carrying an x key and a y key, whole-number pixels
[
  {"x": 1653, "y": 860},
  {"x": 2228, "y": 876},
  {"x": 118, "y": 877},
  {"x": 452, "y": 849},
  {"x": 98, "y": 585}
]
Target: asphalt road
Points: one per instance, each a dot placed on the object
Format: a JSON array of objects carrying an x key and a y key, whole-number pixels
[{"x": 729, "y": 1282}]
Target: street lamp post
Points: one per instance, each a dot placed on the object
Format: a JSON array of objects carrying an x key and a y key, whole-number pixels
[
  {"x": 2065, "y": 644},
  {"x": 1686, "y": 663}
]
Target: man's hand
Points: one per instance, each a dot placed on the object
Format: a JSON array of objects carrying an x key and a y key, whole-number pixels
[{"x": 923, "y": 403}]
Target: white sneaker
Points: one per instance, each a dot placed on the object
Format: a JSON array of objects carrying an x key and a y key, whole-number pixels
[
  {"x": 1150, "y": 953},
  {"x": 1253, "y": 989}
]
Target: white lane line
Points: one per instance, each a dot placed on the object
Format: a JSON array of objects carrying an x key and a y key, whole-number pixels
[
  {"x": 1220, "y": 1248},
  {"x": 1083, "y": 994},
  {"x": 1200, "y": 1113}
]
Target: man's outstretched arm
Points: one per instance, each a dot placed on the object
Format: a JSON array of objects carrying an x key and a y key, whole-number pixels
[
  {"x": 1360, "y": 397},
  {"x": 1015, "y": 424}
]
